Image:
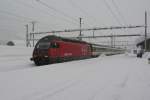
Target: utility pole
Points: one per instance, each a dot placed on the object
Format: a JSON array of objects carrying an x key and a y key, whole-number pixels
[
  {"x": 111, "y": 40},
  {"x": 30, "y": 38},
  {"x": 80, "y": 35},
  {"x": 114, "y": 41},
  {"x": 145, "y": 31},
  {"x": 33, "y": 27},
  {"x": 93, "y": 33},
  {"x": 27, "y": 37}
]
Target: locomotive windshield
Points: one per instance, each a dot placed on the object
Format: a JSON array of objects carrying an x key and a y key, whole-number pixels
[{"x": 43, "y": 45}]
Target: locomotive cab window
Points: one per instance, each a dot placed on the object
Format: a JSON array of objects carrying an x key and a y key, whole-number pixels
[
  {"x": 54, "y": 45},
  {"x": 43, "y": 45}
]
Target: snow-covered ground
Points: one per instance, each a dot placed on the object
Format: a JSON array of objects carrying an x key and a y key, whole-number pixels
[
  {"x": 119, "y": 77},
  {"x": 13, "y": 58}
]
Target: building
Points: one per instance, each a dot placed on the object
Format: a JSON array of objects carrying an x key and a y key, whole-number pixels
[{"x": 142, "y": 44}]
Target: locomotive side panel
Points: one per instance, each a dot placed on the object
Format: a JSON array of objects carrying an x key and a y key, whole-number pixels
[
  {"x": 69, "y": 49},
  {"x": 75, "y": 50}
]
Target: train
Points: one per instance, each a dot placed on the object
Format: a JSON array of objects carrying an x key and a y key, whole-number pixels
[{"x": 54, "y": 49}]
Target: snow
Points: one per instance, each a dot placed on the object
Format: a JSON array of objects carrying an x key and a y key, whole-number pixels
[{"x": 119, "y": 77}]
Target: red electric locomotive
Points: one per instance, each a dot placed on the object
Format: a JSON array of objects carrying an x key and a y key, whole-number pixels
[{"x": 53, "y": 49}]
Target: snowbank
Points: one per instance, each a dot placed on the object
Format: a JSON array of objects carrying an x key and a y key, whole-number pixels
[{"x": 119, "y": 77}]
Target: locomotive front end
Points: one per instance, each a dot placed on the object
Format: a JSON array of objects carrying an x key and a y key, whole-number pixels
[
  {"x": 45, "y": 51},
  {"x": 40, "y": 54}
]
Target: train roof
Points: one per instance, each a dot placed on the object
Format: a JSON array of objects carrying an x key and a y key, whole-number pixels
[{"x": 53, "y": 37}]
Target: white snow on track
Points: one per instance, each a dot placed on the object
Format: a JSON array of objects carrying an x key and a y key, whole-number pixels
[{"x": 119, "y": 77}]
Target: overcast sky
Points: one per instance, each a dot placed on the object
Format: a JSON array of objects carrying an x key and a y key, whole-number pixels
[{"x": 64, "y": 14}]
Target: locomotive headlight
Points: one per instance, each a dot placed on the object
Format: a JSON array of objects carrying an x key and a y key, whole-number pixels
[{"x": 46, "y": 56}]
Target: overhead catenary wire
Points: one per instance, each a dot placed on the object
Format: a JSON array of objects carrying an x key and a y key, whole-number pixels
[
  {"x": 12, "y": 18},
  {"x": 111, "y": 11},
  {"x": 16, "y": 15},
  {"x": 113, "y": 14},
  {"x": 58, "y": 11},
  {"x": 89, "y": 29},
  {"x": 44, "y": 12},
  {"x": 119, "y": 12},
  {"x": 83, "y": 11},
  {"x": 18, "y": 18}
]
